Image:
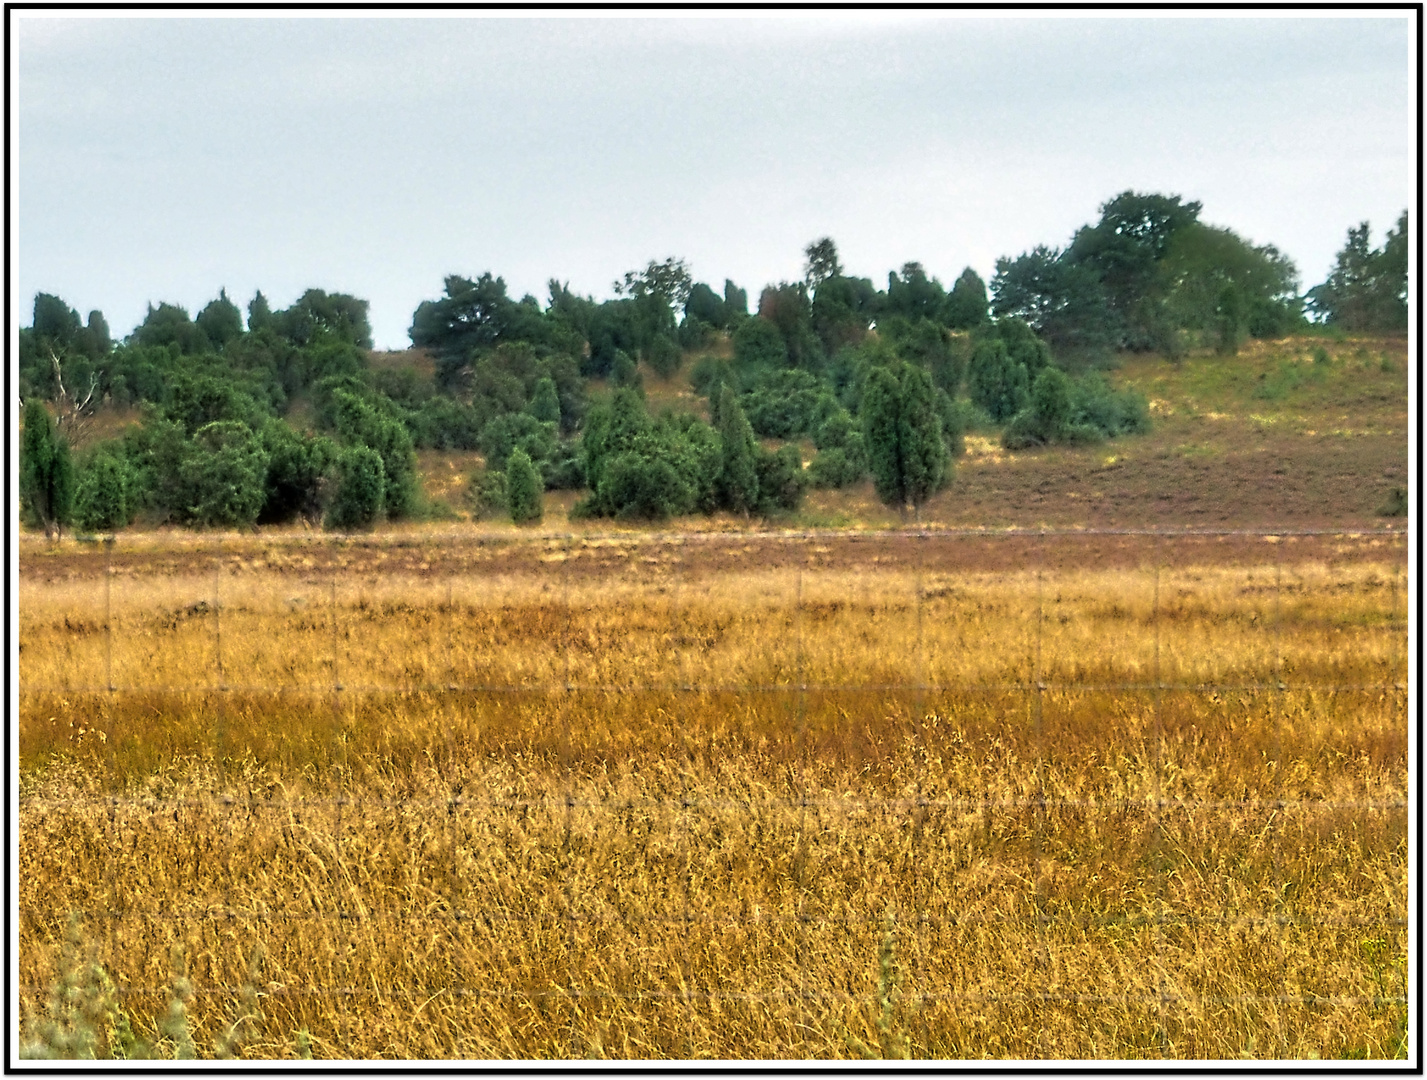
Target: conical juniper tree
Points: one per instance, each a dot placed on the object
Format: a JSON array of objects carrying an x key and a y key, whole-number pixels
[
  {"x": 738, "y": 478},
  {"x": 524, "y": 489},
  {"x": 46, "y": 470},
  {"x": 906, "y": 453}
]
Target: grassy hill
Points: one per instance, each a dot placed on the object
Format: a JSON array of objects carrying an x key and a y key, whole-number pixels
[{"x": 1303, "y": 432}]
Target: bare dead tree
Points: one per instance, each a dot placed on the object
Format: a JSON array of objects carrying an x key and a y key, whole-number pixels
[{"x": 74, "y": 416}]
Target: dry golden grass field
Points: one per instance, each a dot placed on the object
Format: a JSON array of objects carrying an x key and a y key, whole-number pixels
[{"x": 718, "y": 796}]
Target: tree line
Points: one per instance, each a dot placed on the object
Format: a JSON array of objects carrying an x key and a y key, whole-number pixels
[{"x": 282, "y": 416}]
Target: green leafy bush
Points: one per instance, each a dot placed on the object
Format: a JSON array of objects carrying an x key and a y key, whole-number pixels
[
  {"x": 223, "y": 476},
  {"x": 486, "y": 494},
  {"x": 996, "y": 382},
  {"x": 781, "y": 480},
  {"x": 360, "y": 498},
  {"x": 788, "y": 404},
  {"x": 102, "y": 500},
  {"x": 835, "y": 468}
]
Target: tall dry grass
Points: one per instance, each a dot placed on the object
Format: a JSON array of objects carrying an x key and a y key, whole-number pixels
[{"x": 1061, "y": 813}]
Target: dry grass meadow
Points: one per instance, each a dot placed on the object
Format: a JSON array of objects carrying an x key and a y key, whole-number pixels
[{"x": 726, "y": 796}]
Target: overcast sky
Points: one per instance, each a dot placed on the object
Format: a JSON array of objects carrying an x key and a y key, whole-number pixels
[{"x": 161, "y": 159}]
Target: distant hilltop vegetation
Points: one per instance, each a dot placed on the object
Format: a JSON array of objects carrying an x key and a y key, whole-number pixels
[{"x": 832, "y": 382}]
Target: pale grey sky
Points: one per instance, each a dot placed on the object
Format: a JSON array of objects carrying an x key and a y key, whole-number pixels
[{"x": 161, "y": 158}]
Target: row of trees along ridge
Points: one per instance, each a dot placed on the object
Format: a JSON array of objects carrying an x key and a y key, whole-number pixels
[{"x": 283, "y": 416}]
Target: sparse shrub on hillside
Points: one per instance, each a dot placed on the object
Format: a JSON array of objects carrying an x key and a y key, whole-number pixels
[
  {"x": 486, "y": 494},
  {"x": 663, "y": 356},
  {"x": 1063, "y": 409},
  {"x": 707, "y": 372},
  {"x": 835, "y": 467},
  {"x": 624, "y": 373}
]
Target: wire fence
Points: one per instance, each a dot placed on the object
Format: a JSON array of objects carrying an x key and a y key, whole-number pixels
[{"x": 301, "y": 627}]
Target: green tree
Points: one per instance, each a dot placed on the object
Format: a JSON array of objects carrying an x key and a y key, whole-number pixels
[
  {"x": 738, "y": 472},
  {"x": 374, "y": 424},
  {"x": 1061, "y": 299},
  {"x": 1123, "y": 250},
  {"x": 1367, "y": 290},
  {"x": 906, "y": 452},
  {"x": 169, "y": 324},
  {"x": 220, "y": 321},
  {"x": 472, "y": 315},
  {"x": 668, "y": 280},
  {"x": 612, "y": 430},
  {"x": 663, "y": 355},
  {"x": 260, "y": 313},
  {"x": 834, "y": 468},
  {"x": 644, "y": 485},
  {"x": 94, "y": 341},
  {"x": 54, "y": 322},
  {"x": 995, "y": 381},
  {"x": 321, "y": 316},
  {"x": 638, "y": 467},
  {"x": 841, "y": 312},
  {"x": 545, "y": 402},
  {"x": 705, "y": 305},
  {"x": 485, "y": 493},
  {"x": 624, "y": 373},
  {"x": 913, "y": 295},
  {"x": 198, "y": 398},
  {"x": 966, "y": 304},
  {"x": 788, "y": 308},
  {"x": 822, "y": 263},
  {"x": 524, "y": 489},
  {"x": 101, "y": 499},
  {"x": 46, "y": 470},
  {"x": 517, "y": 431},
  {"x": 1047, "y": 416},
  {"x": 927, "y": 344},
  {"x": 757, "y": 344},
  {"x": 735, "y": 303},
  {"x": 1218, "y": 286},
  {"x": 361, "y": 489}
]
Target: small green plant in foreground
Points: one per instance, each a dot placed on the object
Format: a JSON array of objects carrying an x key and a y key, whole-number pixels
[
  {"x": 891, "y": 1043},
  {"x": 85, "y": 1021}
]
